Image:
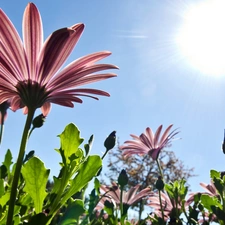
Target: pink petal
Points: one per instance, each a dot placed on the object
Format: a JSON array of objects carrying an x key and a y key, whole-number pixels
[
  {"x": 79, "y": 92},
  {"x": 7, "y": 73},
  {"x": 32, "y": 35},
  {"x": 157, "y": 134},
  {"x": 25, "y": 110},
  {"x": 150, "y": 135},
  {"x": 13, "y": 46},
  {"x": 46, "y": 108},
  {"x": 56, "y": 49},
  {"x": 16, "y": 103},
  {"x": 71, "y": 79},
  {"x": 66, "y": 103},
  {"x": 145, "y": 141},
  {"x": 76, "y": 65},
  {"x": 4, "y": 96},
  {"x": 165, "y": 134}
]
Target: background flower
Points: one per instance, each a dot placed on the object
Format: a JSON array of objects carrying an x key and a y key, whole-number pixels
[
  {"x": 148, "y": 142},
  {"x": 130, "y": 197}
]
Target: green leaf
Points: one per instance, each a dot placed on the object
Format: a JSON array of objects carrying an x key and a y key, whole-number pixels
[
  {"x": 2, "y": 188},
  {"x": 5, "y": 198},
  {"x": 3, "y": 171},
  {"x": 87, "y": 147},
  {"x": 219, "y": 185},
  {"x": 209, "y": 201},
  {"x": 73, "y": 212},
  {"x": 87, "y": 171},
  {"x": 70, "y": 142},
  {"x": 36, "y": 176},
  {"x": 97, "y": 185},
  {"x": 8, "y": 160},
  {"x": 214, "y": 173}
]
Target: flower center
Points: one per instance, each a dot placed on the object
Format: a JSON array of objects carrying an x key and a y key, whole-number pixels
[{"x": 32, "y": 94}]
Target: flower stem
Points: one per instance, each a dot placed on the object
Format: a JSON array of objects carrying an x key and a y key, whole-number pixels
[
  {"x": 121, "y": 204},
  {"x": 160, "y": 169},
  {"x": 1, "y": 131},
  {"x": 19, "y": 166},
  {"x": 160, "y": 200}
]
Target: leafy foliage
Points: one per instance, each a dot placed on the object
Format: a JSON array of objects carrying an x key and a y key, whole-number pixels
[{"x": 77, "y": 169}]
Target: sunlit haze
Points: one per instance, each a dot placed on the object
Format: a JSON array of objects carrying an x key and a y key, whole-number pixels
[{"x": 202, "y": 36}]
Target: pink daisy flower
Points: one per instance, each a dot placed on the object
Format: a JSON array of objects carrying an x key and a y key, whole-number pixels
[
  {"x": 149, "y": 143},
  {"x": 30, "y": 70}
]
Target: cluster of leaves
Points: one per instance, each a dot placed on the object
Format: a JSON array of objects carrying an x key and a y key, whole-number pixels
[
  {"x": 34, "y": 205},
  {"x": 62, "y": 201}
]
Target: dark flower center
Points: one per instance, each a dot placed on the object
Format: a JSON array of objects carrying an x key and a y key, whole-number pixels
[{"x": 32, "y": 94}]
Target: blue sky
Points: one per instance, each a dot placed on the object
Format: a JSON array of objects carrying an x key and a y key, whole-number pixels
[{"x": 156, "y": 83}]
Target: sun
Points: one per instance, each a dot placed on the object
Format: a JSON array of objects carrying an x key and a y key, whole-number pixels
[{"x": 201, "y": 38}]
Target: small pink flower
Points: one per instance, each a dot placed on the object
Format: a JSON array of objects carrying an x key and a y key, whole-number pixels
[
  {"x": 168, "y": 204},
  {"x": 29, "y": 70},
  {"x": 148, "y": 142},
  {"x": 130, "y": 197}
]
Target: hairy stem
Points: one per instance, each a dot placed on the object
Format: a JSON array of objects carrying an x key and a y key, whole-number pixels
[
  {"x": 160, "y": 169},
  {"x": 19, "y": 164},
  {"x": 160, "y": 200}
]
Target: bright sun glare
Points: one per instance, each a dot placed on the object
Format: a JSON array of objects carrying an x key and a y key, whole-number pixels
[{"x": 202, "y": 37}]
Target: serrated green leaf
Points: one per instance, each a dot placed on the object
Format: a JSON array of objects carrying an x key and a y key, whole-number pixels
[
  {"x": 8, "y": 160},
  {"x": 36, "y": 176},
  {"x": 209, "y": 201},
  {"x": 73, "y": 212},
  {"x": 70, "y": 142},
  {"x": 219, "y": 185},
  {"x": 87, "y": 171},
  {"x": 214, "y": 173}
]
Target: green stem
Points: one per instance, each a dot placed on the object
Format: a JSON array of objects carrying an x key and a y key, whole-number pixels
[
  {"x": 19, "y": 166},
  {"x": 2, "y": 126},
  {"x": 160, "y": 200},
  {"x": 160, "y": 169},
  {"x": 121, "y": 204},
  {"x": 104, "y": 154},
  {"x": 1, "y": 131}
]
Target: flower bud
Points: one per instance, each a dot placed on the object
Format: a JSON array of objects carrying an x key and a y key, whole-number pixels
[
  {"x": 123, "y": 178},
  {"x": 159, "y": 184},
  {"x": 110, "y": 141},
  {"x": 38, "y": 121}
]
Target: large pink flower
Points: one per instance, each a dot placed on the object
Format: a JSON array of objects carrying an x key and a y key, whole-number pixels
[
  {"x": 29, "y": 70},
  {"x": 148, "y": 142}
]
